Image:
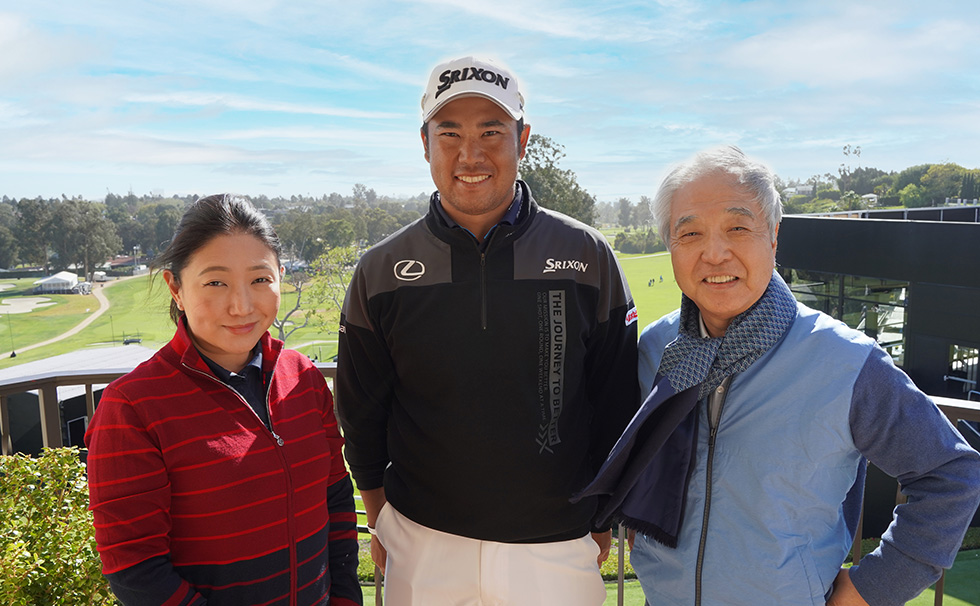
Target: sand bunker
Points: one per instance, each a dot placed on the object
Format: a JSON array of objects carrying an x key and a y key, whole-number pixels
[{"x": 23, "y": 305}]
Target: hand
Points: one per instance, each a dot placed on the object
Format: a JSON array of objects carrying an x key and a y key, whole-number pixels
[
  {"x": 378, "y": 553},
  {"x": 604, "y": 541},
  {"x": 374, "y": 501},
  {"x": 631, "y": 538},
  {"x": 845, "y": 594}
]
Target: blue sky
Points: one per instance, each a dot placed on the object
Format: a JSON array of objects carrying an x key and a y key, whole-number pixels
[{"x": 310, "y": 97}]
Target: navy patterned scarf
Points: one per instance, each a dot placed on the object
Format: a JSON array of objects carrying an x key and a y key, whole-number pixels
[
  {"x": 646, "y": 473},
  {"x": 691, "y": 359}
]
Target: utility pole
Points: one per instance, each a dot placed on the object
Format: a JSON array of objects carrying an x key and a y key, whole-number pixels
[{"x": 13, "y": 354}]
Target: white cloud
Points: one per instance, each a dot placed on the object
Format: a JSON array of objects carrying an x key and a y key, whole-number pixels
[
  {"x": 169, "y": 94},
  {"x": 637, "y": 22},
  {"x": 860, "y": 46},
  {"x": 380, "y": 139},
  {"x": 236, "y": 103},
  {"x": 24, "y": 50},
  {"x": 253, "y": 9}
]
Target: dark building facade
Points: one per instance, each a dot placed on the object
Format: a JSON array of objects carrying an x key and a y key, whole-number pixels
[{"x": 909, "y": 278}]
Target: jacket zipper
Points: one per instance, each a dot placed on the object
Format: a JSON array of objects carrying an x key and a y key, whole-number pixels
[
  {"x": 290, "y": 529},
  {"x": 271, "y": 428},
  {"x": 483, "y": 290},
  {"x": 268, "y": 411},
  {"x": 483, "y": 277},
  {"x": 713, "y": 422}
]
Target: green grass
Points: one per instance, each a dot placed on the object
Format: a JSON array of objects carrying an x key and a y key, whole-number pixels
[
  {"x": 654, "y": 301},
  {"x": 135, "y": 308},
  {"x": 962, "y": 583},
  {"x": 632, "y": 594},
  {"x": 22, "y": 329}
]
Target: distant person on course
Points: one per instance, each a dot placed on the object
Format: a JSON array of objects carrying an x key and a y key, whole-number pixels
[
  {"x": 487, "y": 364},
  {"x": 215, "y": 468},
  {"x": 743, "y": 471}
]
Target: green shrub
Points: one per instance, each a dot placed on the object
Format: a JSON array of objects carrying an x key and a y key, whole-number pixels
[
  {"x": 610, "y": 568},
  {"x": 365, "y": 565},
  {"x": 972, "y": 538},
  {"x": 638, "y": 242},
  {"x": 970, "y": 541},
  {"x": 47, "y": 542}
]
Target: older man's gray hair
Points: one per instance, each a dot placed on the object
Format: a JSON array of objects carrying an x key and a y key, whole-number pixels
[{"x": 749, "y": 173}]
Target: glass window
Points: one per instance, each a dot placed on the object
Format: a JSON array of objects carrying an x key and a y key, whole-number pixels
[
  {"x": 961, "y": 376},
  {"x": 812, "y": 282},
  {"x": 875, "y": 290},
  {"x": 874, "y": 306}
]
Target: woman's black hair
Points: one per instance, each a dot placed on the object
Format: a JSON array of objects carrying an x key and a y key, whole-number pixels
[{"x": 217, "y": 215}]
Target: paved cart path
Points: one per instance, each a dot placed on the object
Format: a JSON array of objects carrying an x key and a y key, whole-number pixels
[{"x": 103, "y": 307}]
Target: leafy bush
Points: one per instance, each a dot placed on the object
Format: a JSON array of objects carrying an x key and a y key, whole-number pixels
[
  {"x": 47, "y": 542},
  {"x": 643, "y": 242},
  {"x": 828, "y": 194},
  {"x": 365, "y": 565},
  {"x": 970, "y": 541},
  {"x": 610, "y": 568}
]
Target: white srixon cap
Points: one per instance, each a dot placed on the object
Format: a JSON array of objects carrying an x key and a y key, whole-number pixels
[{"x": 471, "y": 76}]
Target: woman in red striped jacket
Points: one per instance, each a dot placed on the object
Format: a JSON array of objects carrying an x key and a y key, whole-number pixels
[{"x": 215, "y": 468}]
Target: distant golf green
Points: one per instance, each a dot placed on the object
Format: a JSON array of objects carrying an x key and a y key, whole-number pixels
[
  {"x": 51, "y": 320},
  {"x": 134, "y": 311}
]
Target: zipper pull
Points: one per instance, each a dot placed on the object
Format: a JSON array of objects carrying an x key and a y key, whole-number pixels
[{"x": 279, "y": 440}]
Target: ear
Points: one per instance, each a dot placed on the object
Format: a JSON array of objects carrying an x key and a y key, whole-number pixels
[
  {"x": 425, "y": 143},
  {"x": 522, "y": 141},
  {"x": 775, "y": 236},
  {"x": 173, "y": 285}
]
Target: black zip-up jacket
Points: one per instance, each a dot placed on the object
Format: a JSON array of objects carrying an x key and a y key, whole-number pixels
[{"x": 482, "y": 389}]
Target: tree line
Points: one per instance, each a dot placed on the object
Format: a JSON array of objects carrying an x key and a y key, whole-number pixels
[
  {"x": 58, "y": 233},
  {"x": 914, "y": 187}
]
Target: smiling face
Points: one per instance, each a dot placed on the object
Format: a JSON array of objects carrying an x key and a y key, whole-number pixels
[
  {"x": 473, "y": 149},
  {"x": 229, "y": 293},
  {"x": 721, "y": 248}
]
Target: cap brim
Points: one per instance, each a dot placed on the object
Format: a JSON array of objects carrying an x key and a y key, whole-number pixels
[{"x": 469, "y": 93}]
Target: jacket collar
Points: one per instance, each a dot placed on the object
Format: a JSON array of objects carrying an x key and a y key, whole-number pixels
[
  {"x": 191, "y": 358},
  {"x": 438, "y": 226}
]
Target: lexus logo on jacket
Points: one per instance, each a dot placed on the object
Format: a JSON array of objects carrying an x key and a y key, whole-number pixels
[{"x": 409, "y": 270}]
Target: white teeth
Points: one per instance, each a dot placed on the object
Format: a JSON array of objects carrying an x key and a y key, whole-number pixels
[
  {"x": 719, "y": 279},
  {"x": 467, "y": 179}
]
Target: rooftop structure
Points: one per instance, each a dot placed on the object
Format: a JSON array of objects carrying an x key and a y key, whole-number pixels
[{"x": 909, "y": 277}]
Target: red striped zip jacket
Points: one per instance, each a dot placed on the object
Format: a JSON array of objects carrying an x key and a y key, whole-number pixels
[{"x": 197, "y": 502}]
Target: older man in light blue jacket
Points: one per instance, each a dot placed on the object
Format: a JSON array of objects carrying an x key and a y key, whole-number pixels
[{"x": 744, "y": 470}]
